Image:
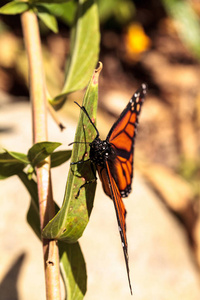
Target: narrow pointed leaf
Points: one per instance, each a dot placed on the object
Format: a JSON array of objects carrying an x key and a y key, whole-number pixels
[
  {"x": 47, "y": 18},
  {"x": 73, "y": 217},
  {"x": 73, "y": 270},
  {"x": 72, "y": 262},
  {"x": 21, "y": 157},
  {"x": 31, "y": 187},
  {"x": 64, "y": 11},
  {"x": 10, "y": 165},
  {"x": 38, "y": 152},
  {"x": 33, "y": 211},
  {"x": 33, "y": 219},
  {"x": 84, "y": 50},
  {"x": 59, "y": 157},
  {"x": 14, "y": 8}
]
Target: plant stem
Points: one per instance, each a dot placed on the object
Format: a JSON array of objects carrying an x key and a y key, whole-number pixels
[{"x": 39, "y": 119}]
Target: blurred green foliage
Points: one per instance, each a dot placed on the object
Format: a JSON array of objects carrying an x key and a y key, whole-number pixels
[
  {"x": 190, "y": 170},
  {"x": 121, "y": 10},
  {"x": 186, "y": 22}
]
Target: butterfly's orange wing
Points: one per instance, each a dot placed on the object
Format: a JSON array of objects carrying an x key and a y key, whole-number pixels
[
  {"x": 113, "y": 159},
  {"x": 111, "y": 189},
  {"x": 122, "y": 138}
]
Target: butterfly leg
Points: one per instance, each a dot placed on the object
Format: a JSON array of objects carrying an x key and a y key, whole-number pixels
[
  {"x": 87, "y": 182},
  {"x": 79, "y": 162}
]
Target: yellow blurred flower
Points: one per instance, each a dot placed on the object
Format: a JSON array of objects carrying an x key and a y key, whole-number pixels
[{"x": 136, "y": 40}]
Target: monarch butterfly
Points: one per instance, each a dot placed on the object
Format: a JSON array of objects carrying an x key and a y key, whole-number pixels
[{"x": 113, "y": 159}]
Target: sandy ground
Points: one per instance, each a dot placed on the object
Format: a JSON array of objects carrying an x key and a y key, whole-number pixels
[{"x": 161, "y": 263}]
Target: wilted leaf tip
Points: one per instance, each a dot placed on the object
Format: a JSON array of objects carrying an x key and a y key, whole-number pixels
[{"x": 96, "y": 73}]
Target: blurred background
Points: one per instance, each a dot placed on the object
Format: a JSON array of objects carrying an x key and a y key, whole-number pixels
[{"x": 156, "y": 42}]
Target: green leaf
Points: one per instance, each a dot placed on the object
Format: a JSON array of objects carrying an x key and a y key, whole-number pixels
[
  {"x": 186, "y": 22},
  {"x": 10, "y": 165},
  {"x": 14, "y": 8},
  {"x": 33, "y": 211},
  {"x": 38, "y": 152},
  {"x": 59, "y": 157},
  {"x": 21, "y": 157},
  {"x": 33, "y": 219},
  {"x": 73, "y": 270},
  {"x": 72, "y": 262},
  {"x": 47, "y": 18},
  {"x": 49, "y": 1},
  {"x": 84, "y": 50},
  {"x": 63, "y": 11},
  {"x": 71, "y": 220}
]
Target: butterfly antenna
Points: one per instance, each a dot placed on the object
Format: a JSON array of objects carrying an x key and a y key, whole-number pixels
[{"x": 85, "y": 111}]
